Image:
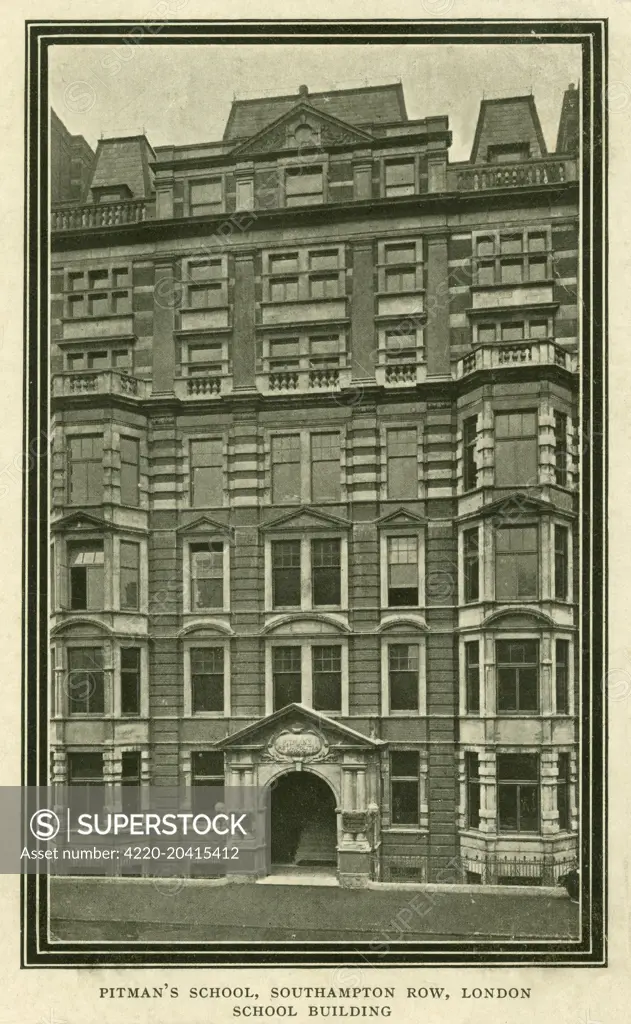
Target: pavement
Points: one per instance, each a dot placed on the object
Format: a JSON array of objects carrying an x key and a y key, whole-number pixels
[{"x": 189, "y": 910}]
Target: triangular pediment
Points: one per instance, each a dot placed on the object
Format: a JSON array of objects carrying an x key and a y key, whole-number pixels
[
  {"x": 401, "y": 517},
  {"x": 297, "y": 733},
  {"x": 82, "y": 521},
  {"x": 305, "y": 519},
  {"x": 204, "y": 524},
  {"x": 301, "y": 130},
  {"x": 518, "y": 505}
]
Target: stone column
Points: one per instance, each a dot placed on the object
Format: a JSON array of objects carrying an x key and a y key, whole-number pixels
[
  {"x": 165, "y": 299},
  {"x": 549, "y": 778},
  {"x": 488, "y": 802},
  {"x": 437, "y": 347},
  {"x": 243, "y": 331},
  {"x": 363, "y": 342}
]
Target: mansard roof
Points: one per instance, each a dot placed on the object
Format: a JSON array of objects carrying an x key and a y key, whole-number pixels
[{"x": 371, "y": 105}]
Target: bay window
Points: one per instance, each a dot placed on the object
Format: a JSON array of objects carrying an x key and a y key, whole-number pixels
[
  {"x": 516, "y": 563},
  {"x": 516, "y": 449},
  {"x": 518, "y": 792},
  {"x": 517, "y": 663}
]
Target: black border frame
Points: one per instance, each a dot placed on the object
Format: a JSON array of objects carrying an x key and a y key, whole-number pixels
[{"x": 590, "y": 950}]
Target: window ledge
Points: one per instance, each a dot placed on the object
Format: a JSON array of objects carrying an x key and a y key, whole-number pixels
[
  {"x": 514, "y": 284},
  {"x": 406, "y": 830},
  {"x": 95, "y": 316},
  {"x": 405, "y": 291},
  {"x": 301, "y": 301},
  {"x": 205, "y": 714},
  {"x": 203, "y": 309}
]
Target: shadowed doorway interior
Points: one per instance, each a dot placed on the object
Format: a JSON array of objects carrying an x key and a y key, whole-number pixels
[{"x": 304, "y": 830}]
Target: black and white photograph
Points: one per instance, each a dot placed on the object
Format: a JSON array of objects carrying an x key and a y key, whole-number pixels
[{"x": 315, "y": 378}]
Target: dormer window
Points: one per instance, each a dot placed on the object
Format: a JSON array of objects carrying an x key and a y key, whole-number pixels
[
  {"x": 111, "y": 193},
  {"x": 508, "y": 153}
]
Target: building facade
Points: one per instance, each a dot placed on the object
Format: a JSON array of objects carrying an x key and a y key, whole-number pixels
[{"x": 314, "y": 481}]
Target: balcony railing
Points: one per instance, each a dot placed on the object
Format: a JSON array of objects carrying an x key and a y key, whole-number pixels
[
  {"x": 519, "y": 353},
  {"x": 99, "y": 382},
  {"x": 203, "y": 385},
  {"x": 552, "y": 171},
  {"x": 99, "y": 215},
  {"x": 401, "y": 373},
  {"x": 278, "y": 382}
]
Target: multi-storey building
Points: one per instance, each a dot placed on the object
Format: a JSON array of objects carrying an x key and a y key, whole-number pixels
[{"x": 314, "y": 480}]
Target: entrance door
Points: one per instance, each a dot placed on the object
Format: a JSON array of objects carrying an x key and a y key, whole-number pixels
[{"x": 303, "y": 819}]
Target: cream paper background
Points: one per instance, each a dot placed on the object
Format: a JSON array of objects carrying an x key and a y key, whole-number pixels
[{"x": 562, "y": 995}]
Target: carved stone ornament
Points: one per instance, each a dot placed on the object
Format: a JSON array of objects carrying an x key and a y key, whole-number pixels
[
  {"x": 354, "y": 821},
  {"x": 297, "y": 743}
]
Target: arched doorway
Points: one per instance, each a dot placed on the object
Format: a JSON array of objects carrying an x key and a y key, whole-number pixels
[{"x": 303, "y": 822}]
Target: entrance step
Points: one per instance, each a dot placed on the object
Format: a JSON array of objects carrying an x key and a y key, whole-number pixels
[{"x": 292, "y": 874}]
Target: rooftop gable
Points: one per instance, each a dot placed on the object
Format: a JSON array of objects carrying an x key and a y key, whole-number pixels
[
  {"x": 370, "y": 105},
  {"x": 303, "y": 128}
]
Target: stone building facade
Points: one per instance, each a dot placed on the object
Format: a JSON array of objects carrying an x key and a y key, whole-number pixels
[{"x": 314, "y": 480}]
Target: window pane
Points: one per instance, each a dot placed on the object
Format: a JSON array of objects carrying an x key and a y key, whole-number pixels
[
  {"x": 562, "y": 676},
  {"x": 471, "y": 565},
  {"x": 98, "y": 305},
  {"x": 401, "y": 254},
  {"x": 538, "y": 329},
  {"x": 283, "y": 264},
  {"x": 402, "y": 571},
  {"x": 325, "y": 572},
  {"x": 399, "y": 177},
  {"x": 286, "y": 587},
  {"x": 469, "y": 442},
  {"x": 286, "y": 469},
  {"x": 511, "y": 272},
  {"x": 325, "y": 260},
  {"x": 472, "y": 675},
  {"x": 85, "y": 683},
  {"x": 516, "y": 462},
  {"x": 303, "y": 182},
  {"x": 206, "y": 193},
  {"x": 402, "y": 467},
  {"x": 286, "y": 671},
  {"x": 207, "y": 583},
  {"x": 561, "y": 583},
  {"x": 129, "y": 471},
  {"x": 325, "y": 467},
  {"x": 207, "y": 678},
  {"x": 130, "y": 680},
  {"x": 327, "y": 678},
  {"x": 403, "y": 671},
  {"x": 404, "y": 763},
  {"x": 518, "y": 767},
  {"x": 537, "y": 270},
  {"x": 507, "y": 798},
  {"x": 405, "y": 803},
  {"x": 486, "y": 274},
  {"x": 85, "y": 768},
  {"x": 512, "y": 332},
  {"x": 487, "y": 334},
  {"x": 485, "y": 247},
  {"x": 510, "y": 244}
]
